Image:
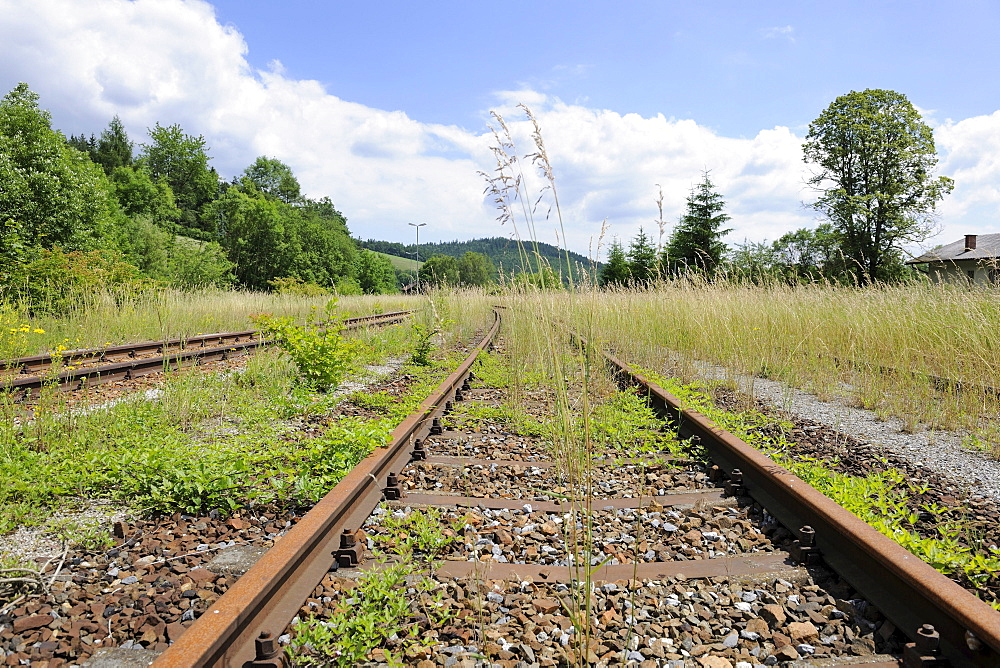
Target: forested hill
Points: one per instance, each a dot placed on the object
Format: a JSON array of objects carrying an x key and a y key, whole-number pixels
[{"x": 502, "y": 251}]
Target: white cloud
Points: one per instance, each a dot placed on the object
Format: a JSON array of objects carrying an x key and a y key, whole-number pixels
[
  {"x": 170, "y": 61},
  {"x": 776, "y": 32}
]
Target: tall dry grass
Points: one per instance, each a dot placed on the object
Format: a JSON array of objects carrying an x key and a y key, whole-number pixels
[
  {"x": 110, "y": 319},
  {"x": 887, "y": 348}
]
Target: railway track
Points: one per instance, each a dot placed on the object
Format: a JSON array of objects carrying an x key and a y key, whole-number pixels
[
  {"x": 661, "y": 561},
  {"x": 25, "y": 376}
]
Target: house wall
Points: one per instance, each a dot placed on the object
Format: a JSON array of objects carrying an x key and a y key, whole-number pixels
[{"x": 984, "y": 273}]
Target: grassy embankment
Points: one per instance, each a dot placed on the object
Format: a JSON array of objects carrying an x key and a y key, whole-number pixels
[{"x": 881, "y": 348}]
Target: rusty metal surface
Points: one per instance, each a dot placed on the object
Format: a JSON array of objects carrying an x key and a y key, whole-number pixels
[
  {"x": 36, "y": 363},
  {"x": 743, "y": 566},
  {"x": 678, "y": 500},
  {"x": 908, "y": 591},
  {"x": 266, "y": 598},
  {"x": 233, "y": 343}
]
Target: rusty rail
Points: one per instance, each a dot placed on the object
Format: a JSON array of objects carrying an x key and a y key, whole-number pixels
[
  {"x": 190, "y": 350},
  {"x": 908, "y": 591},
  {"x": 241, "y": 626}
]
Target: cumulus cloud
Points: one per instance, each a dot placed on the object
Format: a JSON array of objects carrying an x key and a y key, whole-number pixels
[{"x": 171, "y": 61}]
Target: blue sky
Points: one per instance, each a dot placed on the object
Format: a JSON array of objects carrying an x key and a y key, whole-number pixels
[
  {"x": 384, "y": 106},
  {"x": 736, "y": 67}
]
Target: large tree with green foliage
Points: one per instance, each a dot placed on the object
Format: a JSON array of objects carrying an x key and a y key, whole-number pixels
[
  {"x": 274, "y": 178},
  {"x": 51, "y": 194},
  {"x": 439, "y": 271},
  {"x": 475, "y": 269},
  {"x": 874, "y": 159},
  {"x": 696, "y": 242},
  {"x": 182, "y": 161},
  {"x": 114, "y": 148},
  {"x": 375, "y": 274}
]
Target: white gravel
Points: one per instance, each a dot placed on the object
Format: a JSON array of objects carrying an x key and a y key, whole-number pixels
[{"x": 939, "y": 451}]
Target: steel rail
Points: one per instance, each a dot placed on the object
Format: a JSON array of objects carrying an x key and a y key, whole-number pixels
[
  {"x": 908, "y": 591},
  {"x": 241, "y": 625},
  {"x": 73, "y": 379},
  {"x": 35, "y": 363}
]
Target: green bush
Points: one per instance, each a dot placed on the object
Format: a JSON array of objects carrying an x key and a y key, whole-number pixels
[
  {"x": 322, "y": 356},
  {"x": 296, "y": 286},
  {"x": 54, "y": 282}
]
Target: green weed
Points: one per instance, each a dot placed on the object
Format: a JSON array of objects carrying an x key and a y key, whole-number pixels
[
  {"x": 322, "y": 356},
  {"x": 381, "y": 612}
]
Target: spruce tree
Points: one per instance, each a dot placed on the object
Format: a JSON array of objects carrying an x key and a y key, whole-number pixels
[
  {"x": 696, "y": 242},
  {"x": 615, "y": 270},
  {"x": 642, "y": 259}
]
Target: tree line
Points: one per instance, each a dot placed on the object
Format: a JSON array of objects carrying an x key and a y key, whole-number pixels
[
  {"x": 873, "y": 159},
  {"x": 106, "y": 209}
]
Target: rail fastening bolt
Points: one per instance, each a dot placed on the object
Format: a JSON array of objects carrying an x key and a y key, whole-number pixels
[
  {"x": 927, "y": 639},
  {"x": 265, "y": 646}
]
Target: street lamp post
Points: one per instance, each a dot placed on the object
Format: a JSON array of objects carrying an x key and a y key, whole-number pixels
[{"x": 417, "y": 255}]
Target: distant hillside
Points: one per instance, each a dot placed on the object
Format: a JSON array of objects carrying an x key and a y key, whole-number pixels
[
  {"x": 401, "y": 263},
  {"x": 503, "y": 252}
]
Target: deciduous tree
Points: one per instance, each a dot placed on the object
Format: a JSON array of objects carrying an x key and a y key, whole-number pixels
[
  {"x": 874, "y": 159},
  {"x": 51, "y": 194},
  {"x": 274, "y": 178},
  {"x": 439, "y": 270},
  {"x": 474, "y": 269},
  {"x": 182, "y": 161},
  {"x": 375, "y": 273}
]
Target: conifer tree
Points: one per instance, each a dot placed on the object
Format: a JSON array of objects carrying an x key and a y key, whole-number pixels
[
  {"x": 696, "y": 242},
  {"x": 615, "y": 271},
  {"x": 642, "y": 259}
]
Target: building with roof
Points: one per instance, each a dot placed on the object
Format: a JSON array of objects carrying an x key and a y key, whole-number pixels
[{"x": 974, "y": 260}]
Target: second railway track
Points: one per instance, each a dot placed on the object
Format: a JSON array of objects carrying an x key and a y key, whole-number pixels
[{"x": 75, "y": 369}]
